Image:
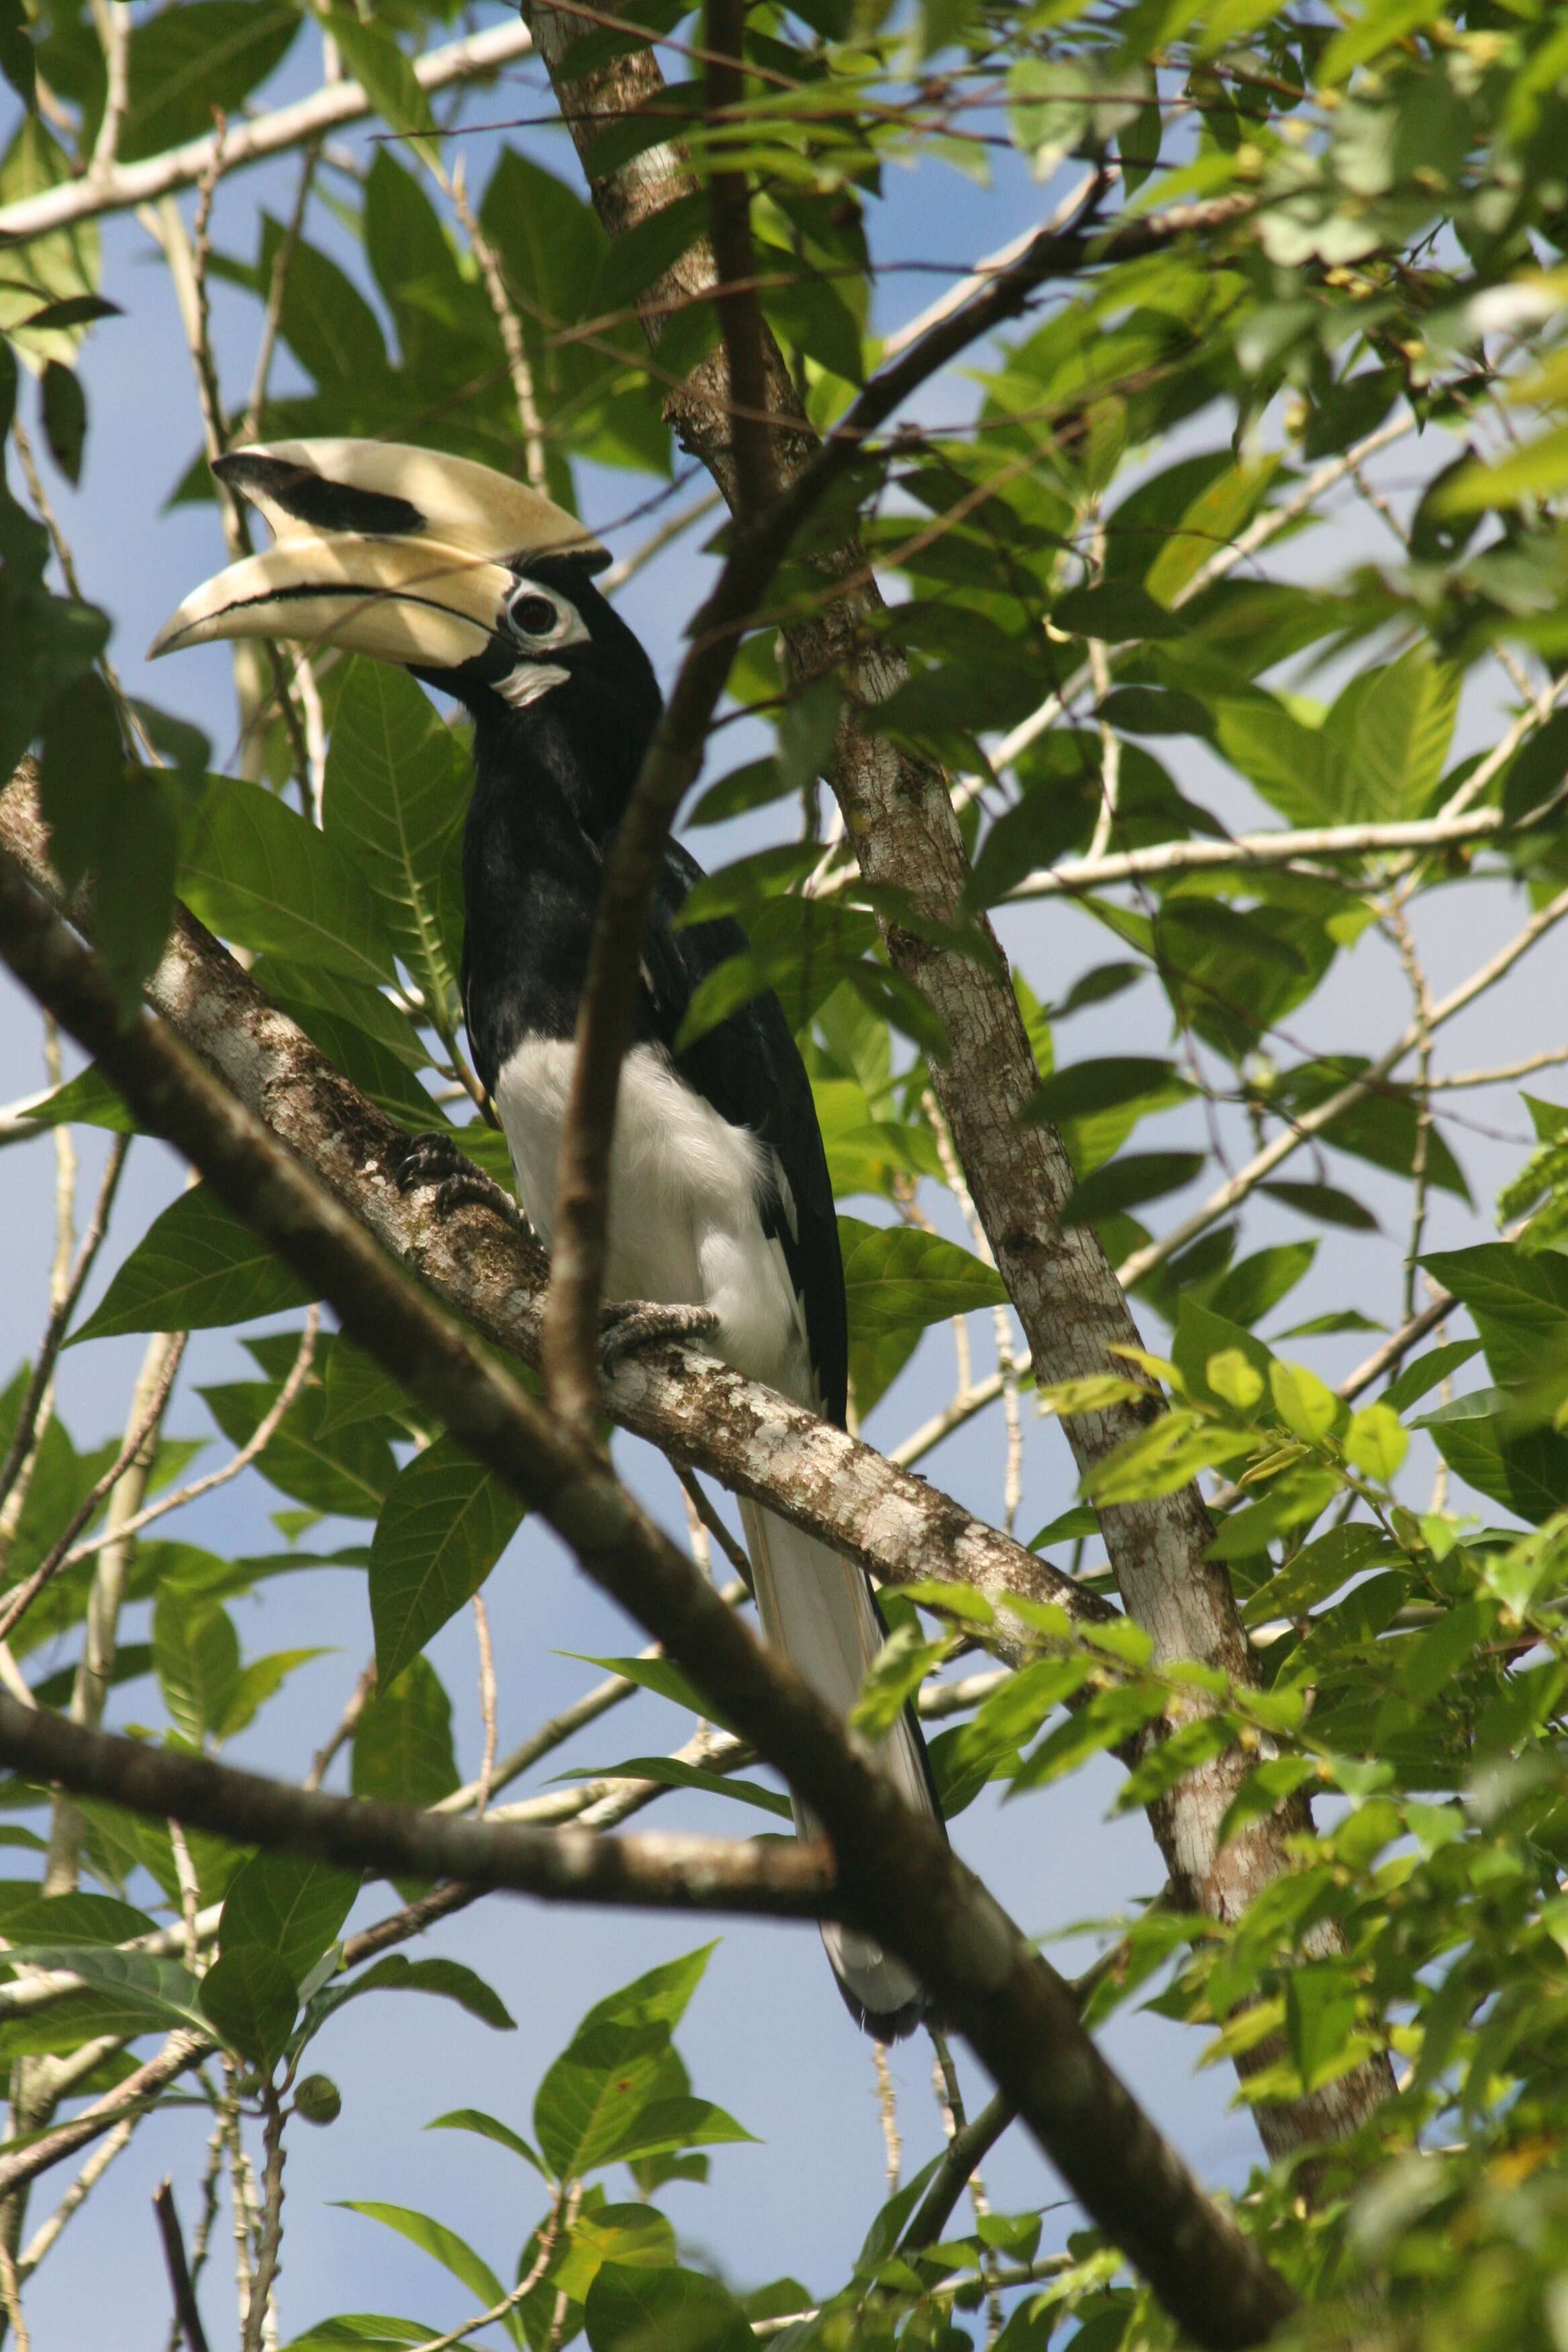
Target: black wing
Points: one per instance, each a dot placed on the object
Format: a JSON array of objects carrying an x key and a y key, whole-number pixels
[{"x": 748, "y": 1069}]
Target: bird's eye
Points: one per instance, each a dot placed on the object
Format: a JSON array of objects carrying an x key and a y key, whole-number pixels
[{"x": 532, "y": 614}]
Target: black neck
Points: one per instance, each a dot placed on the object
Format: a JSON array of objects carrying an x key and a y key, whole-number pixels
[{"x": 550, "y": 783}]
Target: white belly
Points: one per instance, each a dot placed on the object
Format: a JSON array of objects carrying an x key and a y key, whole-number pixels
[{"x": 684, "y": 1226}]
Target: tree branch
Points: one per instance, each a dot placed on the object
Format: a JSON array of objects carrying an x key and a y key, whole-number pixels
[
  {"x": 779, "y": 1881},
  {"x": 698, "y": 1413},
  {"x": 901, "y": 822},
  {"x": 180, "y": 2287},
  {"x": 908, "y": 1887},
  {"x": 128, "y": 184}
]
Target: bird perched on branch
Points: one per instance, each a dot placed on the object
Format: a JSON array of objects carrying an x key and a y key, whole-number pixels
[{"x": 720, "y": 1199}]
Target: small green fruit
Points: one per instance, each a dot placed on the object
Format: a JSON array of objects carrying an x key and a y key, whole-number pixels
[{"x": 318, "y": 2099}]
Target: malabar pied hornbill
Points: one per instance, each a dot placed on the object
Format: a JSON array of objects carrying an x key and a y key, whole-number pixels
[{"x": 720, "y": 1196}]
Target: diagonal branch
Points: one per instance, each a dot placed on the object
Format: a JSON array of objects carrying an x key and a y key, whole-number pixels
[
  {"x": 908, "y": 1888},
  {"x": 698, "y": 1413},
  {"x": 901, "y": 822},
  {"x": 129, "y": 185}
]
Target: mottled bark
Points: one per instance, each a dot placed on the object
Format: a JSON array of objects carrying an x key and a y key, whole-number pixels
[{"x": 900, "y": 818}]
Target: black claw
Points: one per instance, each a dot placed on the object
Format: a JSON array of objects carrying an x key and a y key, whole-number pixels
[
  {"x": 434, "y": 1159},
  {"x": 428, "y": 1159},
  {"x": 632, "y": 1323}
]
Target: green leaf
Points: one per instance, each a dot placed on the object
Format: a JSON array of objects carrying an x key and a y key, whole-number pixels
[
  {"x": 1308, "y": 1409},
  {"x": 1394, "y": 726},
  {"x": 250, "y": 1996},
  {"x": 397, "y": 788},
  {"x": 1525, "y": 1471},
  {"x": 670, "y": 1772},
  {"x": 1376, "y": 1442},
  {"x": 259, "y": 1680},
  {"x": 28, "y": 1915},
  {"x": 636, "y": 2307},
  {"x": 195, "y": 1652},
  {"x": 50, "y": 642},
  {"x": 474, "y": 2119},
  {"x": 356, "y": 1389},
  {"x": 145, "y": 1989},
  {"x": 1427, "y": 1372},
  {"x": 660, "y": 1996},
  {"x": 611, "y": 2233},
  {"x": 403, "y": 1743},
  {"x": 445, "y": 1523},
  {"x": 595, "y": 2097},
  {"x": 197, "y": 1266},
  {"x": 291, "y": 1908},
  {"x": 363, "y": 2331},
  {"x": 449, "y": 1980},
  {"x": 325, "y": 318},
  {"x": 186, "y": 61},
  {"x": 262, "y": 876},
  {"x": 1326, "y": 1203},
  {"x": 1320, "y": 2017},
  {"x": 64, "y": 418},
  {"x": 1381, "y": 1129},
  {"x": 893, "y": 1677},
  {"x": 656, "y": 1675},
  {"x": 350, "y": 1001},
  {"x": 1105, "y": 1084},
  {"x": 1519, "y": 1302},
  {"x": 1127, "y": 1183},
  {"x": 1250, "y": 1288},
  {"x": 1430, "y": 1663},
  {"x": 347, "y": 1470},
  {"x": 1538, "y": 471},
  {"x": 85, "y": 1100},
  {"x": 899, "y": 1278},
  {"x": 665, "y": 2125},
  {"x": 385, "y": 74},
  {"x": 1318, "y": 1572},
  {"x": 434, "y": 2238}
]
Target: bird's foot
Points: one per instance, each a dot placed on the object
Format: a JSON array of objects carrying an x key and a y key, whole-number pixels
[
  {"x": 434, "y": 1159},
  {"x": 626, "y": 1324}
]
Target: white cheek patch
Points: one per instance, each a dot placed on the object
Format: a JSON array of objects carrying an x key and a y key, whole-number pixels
[{"x": 528, "y": 681}]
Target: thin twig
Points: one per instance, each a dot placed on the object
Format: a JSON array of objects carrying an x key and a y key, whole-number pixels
[
  {"x": 277, "y": 284},
  {"x": 269, "y": 2257},
  {"x": 190, "y": 1894},
  {"x": 106, "y": 1598},
  {"x": 255, "y": 1444},
  {"x": 888, "y": 2110},
  {"x": 188, "y": 2318},
  {"x": 673, "y": 527},
  {"x": 62, "y": 1308},
  {"x": 487, "y": 1704},
  {"x": 59, "y": 1554},
  {"x": 509, "y": 324},
  {"x": 11, "y": 2294},
  {"x": 344, "y": 1731},
  {"x": 44, "y": 2236},
  {"x": 113, "y": 26},
  {"x": 713, "y": 1526},
  {"x": 1304, "y": 1125},
  {"x": 508, "y": 2303}
]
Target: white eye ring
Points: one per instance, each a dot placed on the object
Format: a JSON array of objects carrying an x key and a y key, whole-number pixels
[{"x": 535, "y": 618}]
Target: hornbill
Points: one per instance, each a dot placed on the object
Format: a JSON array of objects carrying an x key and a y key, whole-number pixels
[{"x": 720, "y": 1199}]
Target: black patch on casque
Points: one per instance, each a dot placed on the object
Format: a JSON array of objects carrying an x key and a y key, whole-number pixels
[{"x": 311, "y": 498}]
